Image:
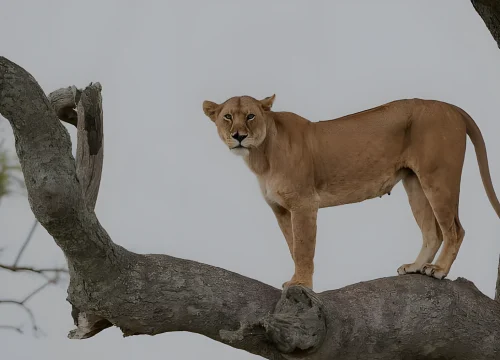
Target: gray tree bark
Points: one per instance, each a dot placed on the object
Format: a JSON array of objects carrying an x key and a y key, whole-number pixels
[
  {"x": 405, "y": 317},
  {"x": 489, "y": 10}
]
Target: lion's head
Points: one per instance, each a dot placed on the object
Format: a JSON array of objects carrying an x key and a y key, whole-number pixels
[{"x": 241, "y": 121}]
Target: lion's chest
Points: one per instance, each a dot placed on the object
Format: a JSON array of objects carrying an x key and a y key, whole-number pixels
[{"x": 275, "y": 193}]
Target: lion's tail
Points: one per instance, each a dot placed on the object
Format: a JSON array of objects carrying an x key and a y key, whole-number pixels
[{"x": 482, "y": 159}]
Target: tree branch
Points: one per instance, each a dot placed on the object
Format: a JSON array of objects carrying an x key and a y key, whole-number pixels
[
  {"x": 22, "y": 303},
  {"x": 28, "y": 239},
  {"x": 489, "y": 10},
  {"x": 14, "y": 268},
  {"x": 11, "y": 327},
  {"x": 25, "y": 308},
  {"x": 42, "y": 271},
  {"x": 405, "y": 317},
  {"x": 32, "y": 269}
]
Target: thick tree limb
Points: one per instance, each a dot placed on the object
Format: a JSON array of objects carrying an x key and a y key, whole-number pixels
[
  {"x": 406, "y": 317},
  {"x": 489, "y": 10}
]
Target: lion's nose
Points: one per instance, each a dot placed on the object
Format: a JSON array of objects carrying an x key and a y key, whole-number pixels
[{"x": 239, "y": 137}]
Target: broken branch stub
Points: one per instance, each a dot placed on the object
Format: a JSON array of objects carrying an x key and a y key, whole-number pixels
[
  {"x": 89, "y": 149},
  {"x": 83, "y": 109},
  {"x": 64, "y": 102}
]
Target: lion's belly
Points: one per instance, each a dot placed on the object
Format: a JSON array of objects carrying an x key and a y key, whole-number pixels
[
  {"x": 349, "y": 192},
  {"x": 335, "y": 192}
]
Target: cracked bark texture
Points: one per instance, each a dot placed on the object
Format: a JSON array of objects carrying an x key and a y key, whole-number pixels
[
  {"x": 405, "y": 317},
  {"x": 489, "y": 11}
]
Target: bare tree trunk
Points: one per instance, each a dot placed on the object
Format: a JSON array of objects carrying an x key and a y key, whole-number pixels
[
  {"x": 405, "y": 317},
  {"x": 489, "y": 10}
]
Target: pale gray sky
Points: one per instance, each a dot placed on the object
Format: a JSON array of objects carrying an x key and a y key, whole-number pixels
[{"x": 169, "y": 184}]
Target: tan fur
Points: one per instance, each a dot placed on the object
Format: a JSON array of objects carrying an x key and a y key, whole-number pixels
[{"x": 303, "y": 166}]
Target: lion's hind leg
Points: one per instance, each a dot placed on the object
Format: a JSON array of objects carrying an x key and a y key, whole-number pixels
[
  {"x": 442, "y": 190},
  {"x": 436, "y": 156},
  {"x": 424, "y": 216}
]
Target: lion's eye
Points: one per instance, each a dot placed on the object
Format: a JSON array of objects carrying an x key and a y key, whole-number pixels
[
  {"x": 250, "y": 116},
  {"x": 228, "y": 117}
]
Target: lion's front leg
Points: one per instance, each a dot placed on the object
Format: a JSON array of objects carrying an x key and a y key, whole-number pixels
[
  {"x": 304, "y": 244},
  {"x": 284, "y": 218}
]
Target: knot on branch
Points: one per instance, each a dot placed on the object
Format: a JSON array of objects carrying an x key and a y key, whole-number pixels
[{"x": 297, "y": 325}]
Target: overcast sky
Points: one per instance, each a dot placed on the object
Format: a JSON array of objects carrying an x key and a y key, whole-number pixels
[{"x": 171, "y": 186}]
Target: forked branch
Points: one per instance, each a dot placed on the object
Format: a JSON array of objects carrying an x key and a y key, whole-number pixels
[{"x": 405, "y": 317}]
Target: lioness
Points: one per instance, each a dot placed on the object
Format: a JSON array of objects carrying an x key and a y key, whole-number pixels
[{"x": 303, "y": 166}]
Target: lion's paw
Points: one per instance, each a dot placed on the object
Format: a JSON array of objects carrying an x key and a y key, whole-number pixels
[
  {"x": 408, "y": 269},
  {"x": 433, "y": 271}
]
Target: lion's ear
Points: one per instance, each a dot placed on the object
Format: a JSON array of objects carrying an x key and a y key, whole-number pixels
[
  {"x": 210, "y": 109},
  {"x": 267, "y": 103}
]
